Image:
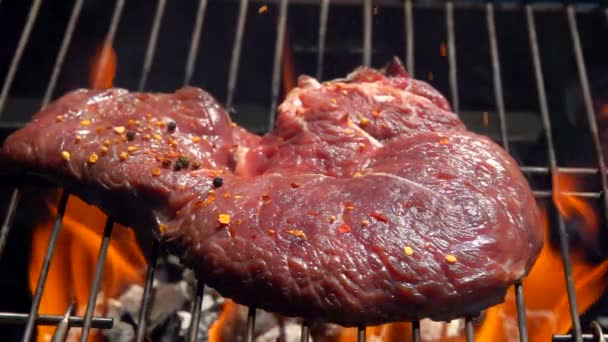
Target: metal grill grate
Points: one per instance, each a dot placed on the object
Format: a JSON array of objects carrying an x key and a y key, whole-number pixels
[{"x": 569, "y": 10}]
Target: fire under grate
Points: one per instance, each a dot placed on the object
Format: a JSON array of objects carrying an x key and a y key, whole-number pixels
[{"x": 367, "y": 7}]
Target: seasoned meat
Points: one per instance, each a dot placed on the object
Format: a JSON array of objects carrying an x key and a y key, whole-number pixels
[{"x": 368, "y": 203}]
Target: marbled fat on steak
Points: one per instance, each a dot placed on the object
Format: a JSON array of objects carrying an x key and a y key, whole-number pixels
[{"x": 369, "y": 202}]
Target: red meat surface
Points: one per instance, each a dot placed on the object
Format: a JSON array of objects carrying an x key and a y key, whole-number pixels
[{"x": 368, "y": 203}]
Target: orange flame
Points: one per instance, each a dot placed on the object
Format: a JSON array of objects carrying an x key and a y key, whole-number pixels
[
  {"x": 572, "y": 207},
  {"x": 217, "y": 329},
  {"x": 71, "y": 272},
  {"x": 103, "y": 67}
]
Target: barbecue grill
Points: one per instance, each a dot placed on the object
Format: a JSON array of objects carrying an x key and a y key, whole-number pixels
[{"x": 318, "y": 53}]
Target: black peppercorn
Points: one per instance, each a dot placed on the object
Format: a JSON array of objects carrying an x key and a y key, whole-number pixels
[
  {"x": 217, "y": 182},
  {"x": 171, "y": 126},
  {"x": 184, "y": 161}
]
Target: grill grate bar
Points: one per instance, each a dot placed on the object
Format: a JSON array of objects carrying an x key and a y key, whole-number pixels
[
  {"x": 74, "y": 321},
  {"x": 497, "y": 77},
  {"x": 521, "y": 312},
  {"x": 409, "y": 36},
  {"x": 236, "y": 52},
  {"x": 196, "y": 35},
  {"x": 147, "y": 296},
  {"x": 304, "y": 336},
  {"x": 470, "y": 331},
  {"x": 65, "y": 43},
  {"x": 323, "y": 15},
  {"x": 151, "y": 49},
  {"x": 278, "y": 55},
  {"x": 44, "y": 271},
  {"x": 563, "y": 237},
  {"x": 196, "y": 311},
  {"x": 591, "y": 118},
  {"x": 416, "y": 331},
  {"x": 361, "y": 334},
  {"x": 25, "y": 36},
  {"x": 8, "y": 219},
  {"x": 249, "y": 337},
  {"x": 99, "y": 268},
  {"x": 449, "y": 23},
  {"x": 367, "y": 32},
  {"x": 549, "y": 194},
  {"x": 61, "y": 332}
]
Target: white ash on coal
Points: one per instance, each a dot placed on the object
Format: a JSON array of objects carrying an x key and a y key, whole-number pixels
[{"x": 169, "y": 313}]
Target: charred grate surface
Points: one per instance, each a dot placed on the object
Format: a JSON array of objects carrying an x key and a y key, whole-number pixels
[{"x": 280, "y": 9}]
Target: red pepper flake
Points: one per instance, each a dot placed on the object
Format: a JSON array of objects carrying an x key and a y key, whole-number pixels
[
  {"x": 376, "y": 112},
  {"x": 344, "y": 228},
  {"x": 233, "y": 124},
  {"x": 119, "y": 129},
  {"x": 263, "y": 9},
  {"x": 65, "y": 155},
  {"x": 271, "y": 232},
  {"x": 365, "y": 223},
  {"x": 223, "y": 218},
  {"x": 123, "y": 155},
  {"x": 106, "y": 142},
  {"x": 160, "y": 123},
  {"x": 146, "y": 137},
  {"x": 357, "y": 174},
  {"x": 78, "y": 139},
  {"x": 93, "y": 158},
  {"x": 227, "y": 195},
  {"x": 450, "y": 259},
  {"x": 59, "y": 118},
  {"x": 348, "y": 131},
  {"x": 443, "y": 51},
  {"x": 379, "y": 216},
  {"x": 238, "y": 196},
  {"x": 297, "y": 233},
  {"x": 295, "y": 185},
  {"x": 362, "y": 147},
  {"x": 156, "y": 172},
  {"x": 158, "y": 137},
  {"x": 407, "y": 250},
  {"x": 238, "y": 221},
  {"x": 132, "y": 148},
  {"x": 266, "y": 197},
  {"x": 85, "y": 122},
  {"x": 332, "y": 219},
  {"x": 104, "y": 150},
  {"x": 444, "y": 141},
  {"x": 363, "y": 122},
  {"x": 196, "y": 139}
]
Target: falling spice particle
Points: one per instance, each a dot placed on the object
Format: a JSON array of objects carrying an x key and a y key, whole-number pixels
[
  {"x": 450, "y": 259},
  {"x": 407, "y": 250},
  {"x": 443, "y": 51},
  {"x": 162, "y": 228},
  {"x": 263, "y": 9},
  {"x": 223, "y": 218},
  {"x": 93, "y": 158},
  {"x": 297, "y": 233},
  {"x": 344, "y": 228},
  {"x": 123, "y": 155},
  {"x": 444, "y": 141},
  {"x": 156, "y": 172},
  {"x": 429, "y": 76},
  {"x": 65, "y": 155},
  {"x": 363, "y": 122},
  {"x": 379, "y": 216},
  {"x": 119, "y": 129},
  {"x": 485, "y": 120},
  {"x": 218, "y": 182},
  {"x": 85, "y": 122}
]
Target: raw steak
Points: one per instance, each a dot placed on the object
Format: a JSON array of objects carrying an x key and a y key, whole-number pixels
[{"x": 368, "y": 203}]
